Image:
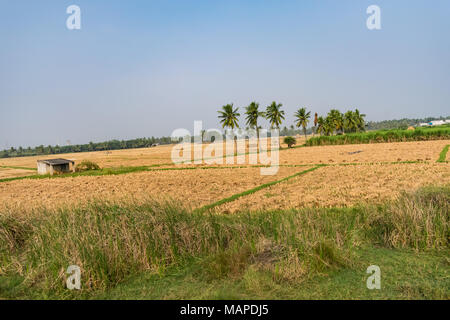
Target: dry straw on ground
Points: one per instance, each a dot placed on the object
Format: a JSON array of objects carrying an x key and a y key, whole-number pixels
[
  {"x": 116, "y": 158},
  {"x": 328, "y": 186},
  {"x": 192, "y": 187},
  {"x": 11, "y": 173},
  {"x": 378, "y": 152},
  {"x": 343, "y": 186}
]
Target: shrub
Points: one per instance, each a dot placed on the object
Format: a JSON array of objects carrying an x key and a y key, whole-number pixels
[
  {"x": 86, "y": 165},
  {"x": 290, "y": 141}
]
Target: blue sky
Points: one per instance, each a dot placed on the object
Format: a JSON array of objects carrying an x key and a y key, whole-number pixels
[{"x": 145, "y": 68}]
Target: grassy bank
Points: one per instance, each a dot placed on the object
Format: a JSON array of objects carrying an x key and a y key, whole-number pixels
[
  {"x": 122, "y": 248},
  {"x": 21, "y": 168},
  {"x": 438, "y": 133},
  {"x": 406, "y": 274}
]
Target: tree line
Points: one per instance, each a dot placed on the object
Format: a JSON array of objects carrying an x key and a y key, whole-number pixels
[
  {"x": 400, "y": 123},
  {"x": 91, "y": 146}
]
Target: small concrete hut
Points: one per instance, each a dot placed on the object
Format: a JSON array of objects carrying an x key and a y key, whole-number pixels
[{"x": 53, "y": 166}]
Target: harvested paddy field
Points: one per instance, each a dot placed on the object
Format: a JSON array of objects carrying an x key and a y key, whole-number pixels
[
  {"x": 424, "y": 151},
  {"x": 191, "y": 187},
  {"x": 106, "y": 159},
  {"x": 334, "y": 185},
  {"x": 160, "y": 155},
  {"x": 341, "y": 186},
  {"x": 13, "y": 172},
  {"x": 357, "y": 153}
]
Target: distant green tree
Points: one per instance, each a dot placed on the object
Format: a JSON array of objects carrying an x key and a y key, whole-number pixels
[{"x": 292, "y": 130}]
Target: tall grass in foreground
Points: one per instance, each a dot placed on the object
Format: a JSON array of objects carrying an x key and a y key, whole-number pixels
[
  {"x": 382, "y": 136},
  {"x": 111, "y": 242}
]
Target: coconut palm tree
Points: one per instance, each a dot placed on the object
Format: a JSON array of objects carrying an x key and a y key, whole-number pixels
[
  {"x": 329, "y": 126},
  {"x": 229, "y": 118},
  {"x": 252, "y": 114},
  {"x": 275, "y": 116},
  {"x": 320, "y": 125},
  {"x": 336, "y": 119},
  {"x": 302, "y": 119},
  {"x": 350, "y": 122},
  {"x": 361, "y": 126}
]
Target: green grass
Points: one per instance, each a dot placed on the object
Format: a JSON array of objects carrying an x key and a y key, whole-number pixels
[
  {"x": 405, "y": 274},
  {"x": 161, "y": 250},
  {"x": 421, "y": 134},
  {"x": 22, "y": 168},
  {"x": 443, "y": 154}
]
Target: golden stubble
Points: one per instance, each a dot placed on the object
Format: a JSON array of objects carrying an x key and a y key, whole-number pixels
[
  {"x": 192, "y": 187},
  {"x": 343, "y": 186}
]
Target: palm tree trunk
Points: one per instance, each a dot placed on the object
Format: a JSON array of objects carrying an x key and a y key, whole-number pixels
[
  {"x": 257, "y": 139},
  {"x": 279, "y": 144}
]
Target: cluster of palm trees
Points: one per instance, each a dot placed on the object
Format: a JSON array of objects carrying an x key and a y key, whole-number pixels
[{"x": 334, "y": 123}]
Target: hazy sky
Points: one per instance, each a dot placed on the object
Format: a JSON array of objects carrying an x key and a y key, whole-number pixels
[{"x": 145, "y": 68}]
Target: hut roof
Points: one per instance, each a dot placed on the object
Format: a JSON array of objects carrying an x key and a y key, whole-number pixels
[{"x": 53, "y": 162}]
